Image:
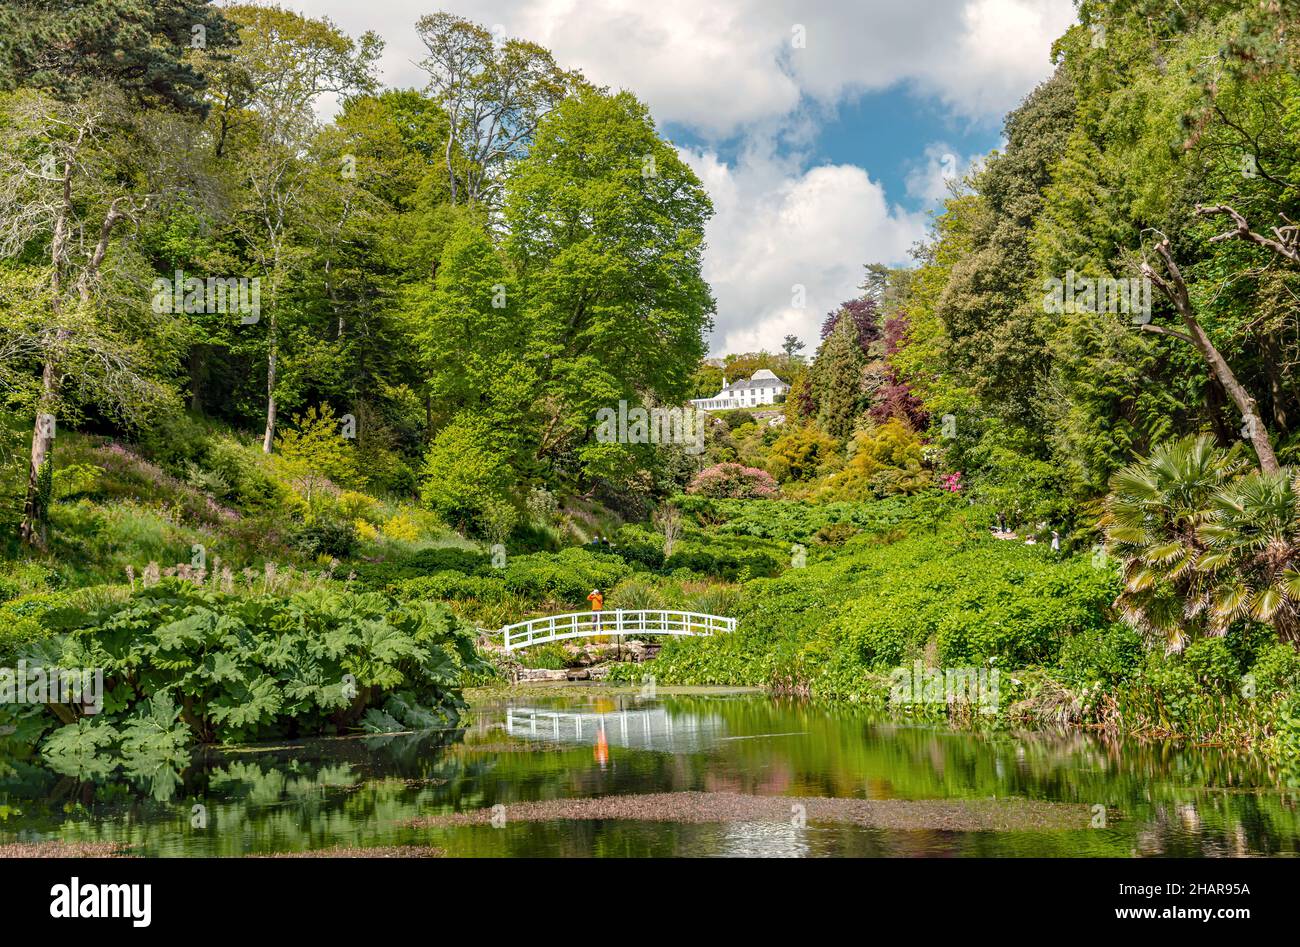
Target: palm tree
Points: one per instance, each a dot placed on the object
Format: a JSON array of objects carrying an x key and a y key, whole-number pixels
[
  {"x": 1253, "y": 540},
  {"x": 1153, "y": 523}
]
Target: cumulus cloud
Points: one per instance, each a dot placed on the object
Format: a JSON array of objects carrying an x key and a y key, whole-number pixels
[
  {"x": 765, "y": 71},
  {"x": 781, "y": 234},
  {"x": 979, "y": 57},
  {"x": 931, "y": 179},
  {"x": 719, "y": 67}
]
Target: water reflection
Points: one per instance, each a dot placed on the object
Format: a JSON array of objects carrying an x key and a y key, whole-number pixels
[
  {"x": 636, "y": 729},
  {"x": 1154, "y": 798}
]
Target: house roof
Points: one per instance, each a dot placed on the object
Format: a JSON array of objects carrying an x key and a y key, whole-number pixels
[{"x": 762, "y": 379}]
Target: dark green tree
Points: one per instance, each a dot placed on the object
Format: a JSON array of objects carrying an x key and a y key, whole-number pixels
[
  {"x": 68, "y": 47},
  {"x": 837, "y": 375}
]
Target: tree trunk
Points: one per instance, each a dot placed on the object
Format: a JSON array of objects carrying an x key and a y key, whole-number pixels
[
  {"x": 1252, "y": 427},
  {"x": 451, "y": 173},
  {"x": 272, "y": 363},
  {"x": 34, "y": 531},
  {"x": 1277, "y": 390},
  {"x": 196, "y": 371}
]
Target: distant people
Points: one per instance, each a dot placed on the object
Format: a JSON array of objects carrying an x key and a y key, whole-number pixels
[
  {"x": 1056, "y": 541},
  {"x": 597, "y": 601},
  {"x": 1002, "y": 522}
]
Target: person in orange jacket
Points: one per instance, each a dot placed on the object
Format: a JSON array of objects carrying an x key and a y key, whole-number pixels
[{"x": 597, "y": 603}]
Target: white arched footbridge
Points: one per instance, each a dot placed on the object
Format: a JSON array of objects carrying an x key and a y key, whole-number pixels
[{"x": 617, "y": 622}]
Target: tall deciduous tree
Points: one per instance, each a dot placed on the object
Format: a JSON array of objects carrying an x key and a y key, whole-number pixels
[
  {"x": 284, "y": 63},
  {"x": 72, "y": 175},
  {"x": 606, "y": 232},
  {"x": 494, "y": 95},
  {"x": 470, "y": 332}
]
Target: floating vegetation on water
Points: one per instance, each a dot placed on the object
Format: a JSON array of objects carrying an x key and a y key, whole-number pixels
[{"x": 948, "y": 815}]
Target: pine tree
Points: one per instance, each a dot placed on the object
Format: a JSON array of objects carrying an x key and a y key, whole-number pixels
[
  {"x": 67, "y": 47},
  {"x": 837, "y": 380}
]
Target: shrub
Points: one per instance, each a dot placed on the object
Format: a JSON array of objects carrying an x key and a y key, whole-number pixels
[
  {"x": 723, "y": 564},
  {"x": 1106, "y": 655},
  {"x": 885, "y": 460},
  {"x": 733, "y": 481},
  {"x": 565, "y": 577},
  {"x": 183, "y": 663},
  {"x": 252, "y": 485},
  {"x": 358, "y": 506},
  {"x": 378, "y": 575},
  {"x": 798, "y": 454},
  {"x": 716, "y": 600},
  {"x": 313, "y": 450},
  {"x": 206, "y": 481},
  {"x": 835, "y": 534},
  {"x": 75, "y": 480},
  {"x": 636, "y": 544},
  {"x": 20, "y": 578},
  {"x": 635, "y": 594},
  {"x": 172, "y": 438},
  {"x": 401, "y": 527},
  {"x": 467, "y": 480},
  {"x": 551, "y": 657},
  {"x": 325, "y": 537},
  {"x": 542, "y": 506}
]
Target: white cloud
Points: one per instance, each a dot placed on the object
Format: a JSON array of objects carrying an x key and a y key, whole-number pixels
[
  {"x": 931, "y": 179},
  {"x": 729, "y": 68},
  {"x": 979, "y": 57},
  {"x": 777, "y": 228},
  {"x": 719, "y": 67}
]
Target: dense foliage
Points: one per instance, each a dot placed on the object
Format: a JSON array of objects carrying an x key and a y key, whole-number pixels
[
  {"x": 182, "y": 663},
  {"x": 361, "y": 362}
]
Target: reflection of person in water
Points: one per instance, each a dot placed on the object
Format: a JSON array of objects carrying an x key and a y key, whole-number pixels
[{"x": 602, "y": 746}]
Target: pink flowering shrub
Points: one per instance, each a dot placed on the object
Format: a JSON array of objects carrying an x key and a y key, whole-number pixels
[
  {"x": 951, "y": 482},
  {"x": 734, "y": 482}
]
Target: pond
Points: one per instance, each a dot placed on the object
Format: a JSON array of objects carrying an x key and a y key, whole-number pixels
[{"x": 605, "y": 771}]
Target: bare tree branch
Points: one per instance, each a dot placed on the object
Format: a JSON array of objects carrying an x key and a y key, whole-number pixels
[{"x": 1286, "y": 245}]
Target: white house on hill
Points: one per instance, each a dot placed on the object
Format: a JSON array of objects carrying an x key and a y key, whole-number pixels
[{"x": 763, "y": 388}]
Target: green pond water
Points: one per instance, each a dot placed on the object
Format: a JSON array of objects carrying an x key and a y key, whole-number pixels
[{"x": 1145, "y": 799}]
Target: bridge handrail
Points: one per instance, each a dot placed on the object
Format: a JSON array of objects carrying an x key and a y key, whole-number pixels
[{"x": 618, "y": 621}]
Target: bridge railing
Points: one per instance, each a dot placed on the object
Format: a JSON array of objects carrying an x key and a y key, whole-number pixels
[{"x": 614, "y": 622}]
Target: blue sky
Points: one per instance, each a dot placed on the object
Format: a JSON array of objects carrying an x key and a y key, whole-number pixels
[
  {"x": 824, "y": 130},
  {"x": 886, "y": 133}
]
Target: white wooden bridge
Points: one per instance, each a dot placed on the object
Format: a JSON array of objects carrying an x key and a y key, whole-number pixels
[
  {"x": 617, "y": 622},
  {"x": 651, "y": 728}
]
